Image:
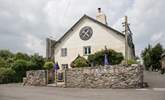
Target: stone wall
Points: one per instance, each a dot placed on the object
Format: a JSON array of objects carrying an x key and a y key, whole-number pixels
[
  {"x": 105, "y": 77},
  {"x": 35, "y": 78}
]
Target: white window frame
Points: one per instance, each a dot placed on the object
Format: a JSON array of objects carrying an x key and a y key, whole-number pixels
[
  {"x": 86, "y": 50},
  {"x": 63, "y": 52}
]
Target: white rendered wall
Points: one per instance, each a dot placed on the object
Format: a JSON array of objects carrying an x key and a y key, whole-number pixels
[{"x": 101, "y": 37}]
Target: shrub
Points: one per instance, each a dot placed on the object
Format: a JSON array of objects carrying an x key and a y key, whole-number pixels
[
  {"x": 130, "y": 62},
  {"x": 80, "y": 62},
  {"x": 20, "y": 67},
  {"x": 48, "y": 65},
  {"x": 98, "y": 57},
  {"x": 7, "y": 75}
]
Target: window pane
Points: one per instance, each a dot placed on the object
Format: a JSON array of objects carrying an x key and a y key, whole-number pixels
[
  {"x": 64, "y": 52},
  {"x": 87, "y": 50}
]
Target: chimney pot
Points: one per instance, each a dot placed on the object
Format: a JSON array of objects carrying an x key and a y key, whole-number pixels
[{"x": 99, "y": 10}]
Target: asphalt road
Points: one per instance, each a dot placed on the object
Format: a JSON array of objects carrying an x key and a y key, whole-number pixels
[
  {"x": 154, "y": 79},
  {"x": 18, "y": 92}
]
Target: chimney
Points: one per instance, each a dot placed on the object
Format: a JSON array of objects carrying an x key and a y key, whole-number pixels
[{"x": 101, "y": 17}]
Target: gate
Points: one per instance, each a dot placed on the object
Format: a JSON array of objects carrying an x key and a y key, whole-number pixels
[{"x": 60, "y": 78}]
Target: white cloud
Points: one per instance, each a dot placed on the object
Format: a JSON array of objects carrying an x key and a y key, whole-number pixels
[
  {"x": 34, "y": 44},
  {"x": 41, "y": 18}
]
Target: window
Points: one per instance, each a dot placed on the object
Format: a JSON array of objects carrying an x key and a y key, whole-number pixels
[
  {"x": 87, "y": 50},
  {"x": 64, "y": 66},
  {"x": 64, "y": 52}
]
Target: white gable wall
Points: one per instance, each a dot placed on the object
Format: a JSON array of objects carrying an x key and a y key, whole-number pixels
[{"x": 101, "y": 37}]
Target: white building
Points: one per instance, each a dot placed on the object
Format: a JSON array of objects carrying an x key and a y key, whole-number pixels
[{"x": 86, "y": 37}]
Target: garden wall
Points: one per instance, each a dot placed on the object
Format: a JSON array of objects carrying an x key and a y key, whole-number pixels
[
  {"x": 105, "y": 77},
  {"x": 35, "y": 78}
]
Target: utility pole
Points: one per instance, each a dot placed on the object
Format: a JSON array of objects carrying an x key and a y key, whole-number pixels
[{"x": 125, "y": 25}]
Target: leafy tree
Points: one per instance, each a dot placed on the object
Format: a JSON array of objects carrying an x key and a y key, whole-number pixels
[
  {"x": 6, "y": 75},
  {"x": 5, "y": 54},
  {"x": 38, "y": 60},
  {"x": 151, "y": 56},
  {"x": 113, "y": 57},
  {"x": 2, "y": 63},
  {"x": 48, "y": 65},
  {"x": 80, "y": 62},
  {"x": 156, "y": 56},
  {"x": 22, "y": 56},
  {"x": 20, "y": 67},
  {"x": 146, "y": 56}
]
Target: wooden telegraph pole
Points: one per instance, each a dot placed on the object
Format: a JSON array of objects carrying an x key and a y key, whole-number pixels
[{"x": 125, "y": 25}]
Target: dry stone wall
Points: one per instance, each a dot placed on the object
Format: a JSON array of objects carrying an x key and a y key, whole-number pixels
[
  {"x": 105, "y": 77},
  {"x": 35, "y": 78}
]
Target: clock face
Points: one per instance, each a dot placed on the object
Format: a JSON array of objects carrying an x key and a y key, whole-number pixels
[{"x": 86, "y": 33}]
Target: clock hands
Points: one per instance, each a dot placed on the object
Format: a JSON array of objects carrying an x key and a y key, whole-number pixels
[{"x": 85, "y": 33}]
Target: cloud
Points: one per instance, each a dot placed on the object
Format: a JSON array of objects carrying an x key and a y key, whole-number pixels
[
  {"x": 147, "y": 22},
  {"x": 26, "y": 23}
]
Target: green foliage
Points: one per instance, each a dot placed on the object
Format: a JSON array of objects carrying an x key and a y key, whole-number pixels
[
  {"x": 22, "y": 56},
  {"x": 6, "y": 75},
  {"x": 98, "y": 57},
  {"x": 20, "y": 67},
  {"x": 48, "y": 65},
  {"x": 80, "y": 62},
  {"x": 19, "y": 63},
  {"x": 151, "y": 56},
  {"x": 38, "y": 60},
  {"x": 132, "y": 62},
  {"x": 2, "y": 63},
  {"x": 5, "y": 54}
]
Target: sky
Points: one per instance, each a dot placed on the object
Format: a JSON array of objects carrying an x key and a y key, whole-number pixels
[{"x": 25, "y": 24}]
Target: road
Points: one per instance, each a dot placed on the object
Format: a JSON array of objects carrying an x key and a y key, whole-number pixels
[{"x": 18, "y": 92}]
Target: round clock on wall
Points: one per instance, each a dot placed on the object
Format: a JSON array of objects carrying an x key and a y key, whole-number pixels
[{"x": 86, "y": 33}]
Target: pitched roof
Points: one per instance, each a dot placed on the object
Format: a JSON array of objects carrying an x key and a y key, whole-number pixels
[{"x": 85, "y": 16}]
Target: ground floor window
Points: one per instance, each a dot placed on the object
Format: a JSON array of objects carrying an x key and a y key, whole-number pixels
[
  {"x": 64, "y": 66},
  {"x": 87, "y": 50}
]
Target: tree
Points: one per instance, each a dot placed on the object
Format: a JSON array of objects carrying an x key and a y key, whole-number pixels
[
  {"x": 152, "y": 56},
  {"x": 22, "y": 56},
  {"x": 156, "y": 56},
  {"x": 80, "y": 62},
  {"x": 20, "y": 67},
  {"x": 5, "y": 54},
  {"x": 7, "y": 75},
  {"x": 2, "y": 63},
  {"x": 38, "y": 60},
  {"x": 98, "y": 57}
]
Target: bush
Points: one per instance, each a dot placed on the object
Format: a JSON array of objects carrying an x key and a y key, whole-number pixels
[
  {"x": 98, "y": 57},
  {"x": 130, "y": 62},
  {"x": 7, "y": 75},
  {"x": 48, "y": 65},
  {"x": 80, "y": 62},
  {"x": 20, "y": 67}
]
